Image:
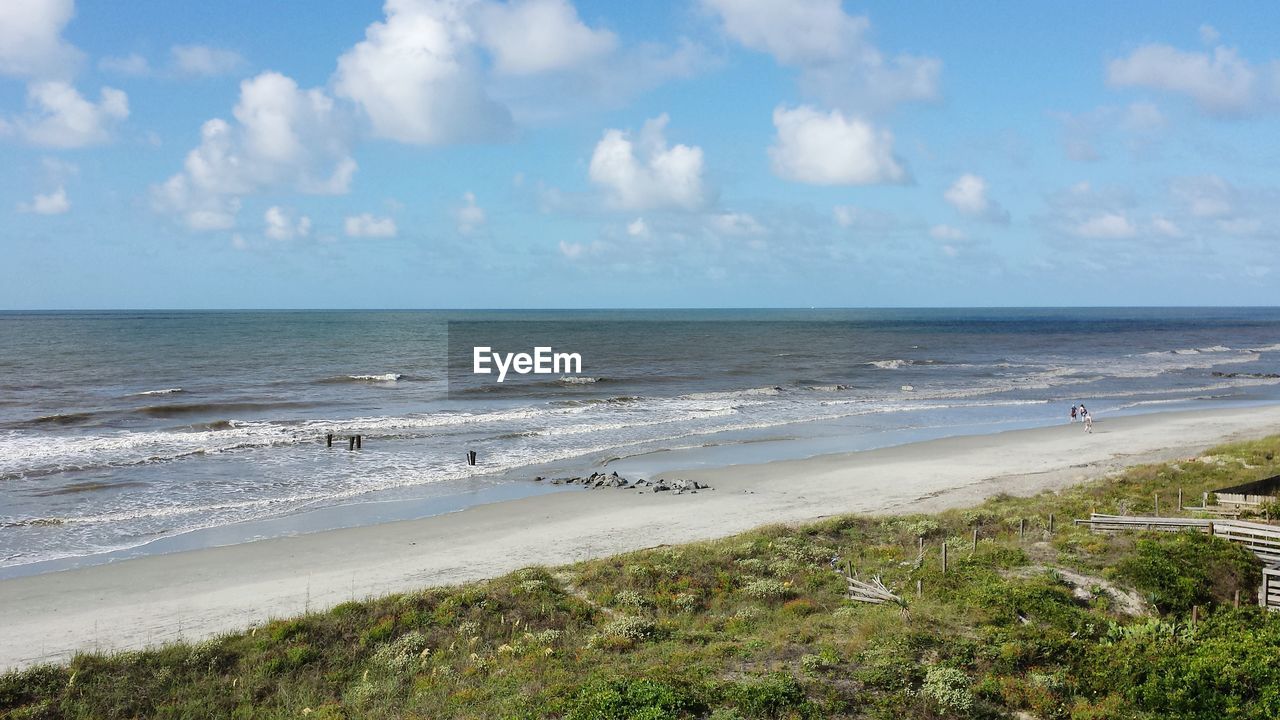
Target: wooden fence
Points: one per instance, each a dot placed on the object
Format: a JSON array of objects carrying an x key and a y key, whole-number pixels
[{"x": 1258, "y": 538}]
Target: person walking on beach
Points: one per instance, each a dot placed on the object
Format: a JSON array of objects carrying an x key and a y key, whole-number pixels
[
  {"x": 1074, "y": 408},
  {"x": 1088, "y": 421}
]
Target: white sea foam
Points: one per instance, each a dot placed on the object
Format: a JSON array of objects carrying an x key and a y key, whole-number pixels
[
  {"x": 889, "y": 364},
  {"x": 166, "y": 391},
  {"x": 576, "y": 380},
  {"x": 384, "y": 377}
]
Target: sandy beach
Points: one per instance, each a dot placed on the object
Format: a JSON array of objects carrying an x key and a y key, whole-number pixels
[{"x": 152, "y": 600}]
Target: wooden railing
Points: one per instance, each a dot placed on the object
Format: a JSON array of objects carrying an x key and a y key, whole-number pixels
[{"x": 1258, "y": 538}]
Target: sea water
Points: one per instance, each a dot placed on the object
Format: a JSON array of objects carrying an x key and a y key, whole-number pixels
[{"x": 131, "y": 432}]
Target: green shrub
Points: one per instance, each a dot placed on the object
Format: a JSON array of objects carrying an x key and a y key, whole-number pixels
[
  {"x": 631, "y": 700},
  {"x": 1177, "y": 571},
  {"x": 772, "y": 696},
  {"x": 766, "y": 589},
  {"x": 948, "y": 688}
]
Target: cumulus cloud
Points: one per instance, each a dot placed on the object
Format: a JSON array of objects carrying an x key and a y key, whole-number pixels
[
  {"x": 528, "y": 37},
  {"x": 59, "y": 116},
  {"x": 734, "y": 223},
  {"x": 838, "y": 63},
  {"x": 31, "y": 43},
  {"x": 205, "y": 61},
  {"x": 1220, "y": 82},
  {"x": 470, "y": 216},
  {"x": 365, "y": 225},
  {"x": 416, "y": 78},
  {"x": 829, "y": 149},
  {"x": 54, "y": 203},
  {"x": 645, "y": 172},
  {"x": 1206, "y": 196},
  {"x": 968, "y": 194},
  {"x": 1107, "y": 226},
  {"x": 638, "y": 228},
  {"x": 280, "y": 224},
  {"x": 283, "y": 137}
]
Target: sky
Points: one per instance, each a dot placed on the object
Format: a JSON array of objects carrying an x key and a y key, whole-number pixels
[{"x": 584, "y": 154}]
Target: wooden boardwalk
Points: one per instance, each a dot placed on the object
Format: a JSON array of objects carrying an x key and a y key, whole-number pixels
[{"x": 1261, "y": 539}]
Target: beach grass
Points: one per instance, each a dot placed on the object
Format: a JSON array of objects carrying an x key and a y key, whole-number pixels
[{"x": 1068, "y": 624}]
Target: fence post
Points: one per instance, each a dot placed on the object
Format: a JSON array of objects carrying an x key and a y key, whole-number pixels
[
  {"x": 1179, "y": 499},
  {"x": 1157, "y": 497},
  {"x": 1236, "y": 602},
  {"x": 944, "y": 557},
  {"x": 1050, "y": 523},
  {"x": 975, "y": 538},
  {"x": 920, "y": 590},
  {"x": 1022, "y": 528}
]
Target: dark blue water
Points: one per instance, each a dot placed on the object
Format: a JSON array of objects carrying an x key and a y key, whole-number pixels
[{"x": 120, "y": 428}]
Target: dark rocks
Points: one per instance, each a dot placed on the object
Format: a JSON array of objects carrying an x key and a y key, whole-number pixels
[{"x": 597, "y": 480}]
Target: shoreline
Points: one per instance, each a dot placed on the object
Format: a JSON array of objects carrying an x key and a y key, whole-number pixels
[{"x": 189, "y": 595}]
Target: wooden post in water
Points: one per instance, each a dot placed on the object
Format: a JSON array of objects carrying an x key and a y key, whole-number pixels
[
  {"x": 328, "y": 440},
  {"x": 944, "y": 557},
  {"x": 471, "y": 457},
  {"x": 351, "y": 442},
  {"x": 359, "y": 441}
]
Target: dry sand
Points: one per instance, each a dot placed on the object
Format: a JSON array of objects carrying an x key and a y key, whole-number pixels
[{"x": 151, "y": 600}]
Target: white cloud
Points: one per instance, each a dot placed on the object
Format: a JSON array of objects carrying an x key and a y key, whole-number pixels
[
  {"x": 31, "y": 43},
  {"x": 735, "y": 224},
  {"x": 283, "y": 137},
  {"x": 828, "y": 149},
  {"x": 646, "y": 172},
  {"x": 205, "y": 61},
  {"x": 1205, "y": 197},
  {"x": 366, "y": 225},
  {"x": 527, "y": 37},
  {"x": 837, "y": 62},
  {"x": 470, "y": 215},
  {"x": 968, "y": 194},
  {"x": 59, "y": 116},
  {"x": 416, "y": 79},
  {"x": 1220, "y": 82},
  {"x": 54, "y": 203},
  {"x": 1209, "y": 34},
  {"x": 1107, "y": 226},
  {"x": 280, "y": 224},
  {"x": 132, "y": 64},
  {"x": 638, "y": 228},
  {"x": 1165, "y": 227},
  {"x": 946, "y": 232}
]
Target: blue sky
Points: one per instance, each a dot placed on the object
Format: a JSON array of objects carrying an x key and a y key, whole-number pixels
[{"x": 547, "y": 153}]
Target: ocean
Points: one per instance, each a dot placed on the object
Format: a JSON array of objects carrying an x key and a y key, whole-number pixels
[{"x": 124, "y": 433}]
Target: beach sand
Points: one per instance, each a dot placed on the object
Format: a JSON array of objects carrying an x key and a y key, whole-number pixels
[{"x": 190, "y": 595}]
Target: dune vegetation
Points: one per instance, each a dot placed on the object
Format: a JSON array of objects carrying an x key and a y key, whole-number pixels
[{"x": 1028, "y": 624}]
